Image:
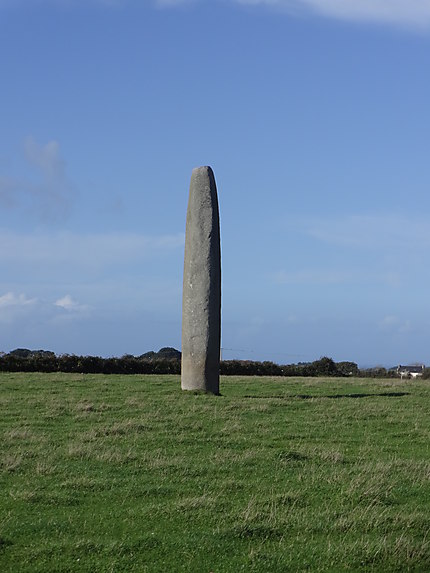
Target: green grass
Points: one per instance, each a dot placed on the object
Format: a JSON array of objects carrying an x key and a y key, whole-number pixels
[{"x": 128, "y": 473}]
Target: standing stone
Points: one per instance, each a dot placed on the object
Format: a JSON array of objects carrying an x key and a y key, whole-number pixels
[{"x": 201, "y": 301}]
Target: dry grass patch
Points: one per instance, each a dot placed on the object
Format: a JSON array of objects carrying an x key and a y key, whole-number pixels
[
  {"x": 19, "y": 434},
  {"x": 123, "y": 428},
  {"x": 11, "y": 462},
  {"x": 204, "y": 501}
]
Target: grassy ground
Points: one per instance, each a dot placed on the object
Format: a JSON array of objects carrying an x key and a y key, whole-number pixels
[{"x": 116, "y": 473}]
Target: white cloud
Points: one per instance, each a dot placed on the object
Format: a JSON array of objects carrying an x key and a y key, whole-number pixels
[
  {"x": 14, "y": 306},
  {"x": 69, "y": 304},
  {"x": 408, "y": 13},
  {"x": 11, "y": 299},
  {"x": 68, "y": 309},
  {"x": 403, "y": 13}
]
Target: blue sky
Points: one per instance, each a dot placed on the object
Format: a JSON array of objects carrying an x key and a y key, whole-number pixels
[{"x": 314, "y": 115}]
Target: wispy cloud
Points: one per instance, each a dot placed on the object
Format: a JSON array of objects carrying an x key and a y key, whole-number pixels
[
  {"x": 76, "y": 276},
  {"x": 18, "y": 307},
  {"x": 84, "y": 250},
  {"x": 413, "y": 14},
  {"x": 45, "y": 157},
  {"x": 67, "y": 309},
  {"x": 393, "y": 323},
  {"x": 371, "y": 231},
  {"x": 69, "y": 304},
  {"x": 9, "y": 189},
  {"x": 46, "y": 189},
  {"x": 14, "y": 306},
  {"x": 312, "y": 276},
  {"x": 380, "y": 250},
  {"x": 65, "y": 3},
  {"x": 405, "y": 13},
  {"x": 171, "y": 3},
  {"x": 11, "y": 299},
  {"x": 334, "y": 277}
]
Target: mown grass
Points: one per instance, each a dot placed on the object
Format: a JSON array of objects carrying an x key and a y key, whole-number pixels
[{"x": 127, "y": 473}]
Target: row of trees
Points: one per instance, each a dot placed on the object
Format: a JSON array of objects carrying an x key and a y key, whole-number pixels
[
  {"x": 88, "y": 364},
  {"x": 167, "y": 361}
]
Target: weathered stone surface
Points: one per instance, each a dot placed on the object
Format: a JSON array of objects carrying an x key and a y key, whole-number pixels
[{"x": 201, "y": 302}]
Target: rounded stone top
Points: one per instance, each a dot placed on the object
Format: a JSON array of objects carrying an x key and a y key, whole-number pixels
[{"x": 203, "y": 168}]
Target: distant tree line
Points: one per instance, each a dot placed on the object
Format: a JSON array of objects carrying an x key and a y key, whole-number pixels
[
  {"x": 23, "y": 360},
  {"x": 168, "y": 361}
]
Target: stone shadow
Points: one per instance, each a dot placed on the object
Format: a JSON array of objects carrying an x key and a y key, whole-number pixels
[{"x": 331, "y": 396}]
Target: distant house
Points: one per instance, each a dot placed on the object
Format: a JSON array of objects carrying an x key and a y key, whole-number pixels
[{"x": 410, "y": 371}]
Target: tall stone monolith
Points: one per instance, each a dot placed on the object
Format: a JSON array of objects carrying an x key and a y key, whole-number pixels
[{"x": 201, "y": 301}]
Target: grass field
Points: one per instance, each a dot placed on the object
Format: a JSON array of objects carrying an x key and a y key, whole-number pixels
[{"x": 127, "y": 473}]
